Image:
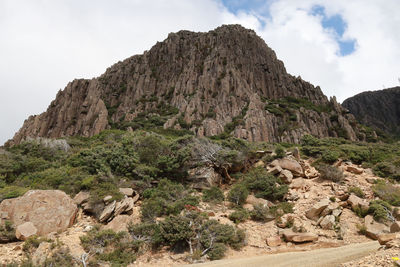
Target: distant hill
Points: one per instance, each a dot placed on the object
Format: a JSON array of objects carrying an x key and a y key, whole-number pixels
[
  {"x": 223, "y": 82},
  {"x": 378, "y": 109}
]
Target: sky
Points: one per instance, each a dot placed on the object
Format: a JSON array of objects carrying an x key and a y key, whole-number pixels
[{"x": 345, "y": 47}]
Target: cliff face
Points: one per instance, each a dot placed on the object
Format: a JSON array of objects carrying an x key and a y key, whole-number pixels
[
  {"x": 378, "y": 109},
  {"x": 226, "y": 81}
]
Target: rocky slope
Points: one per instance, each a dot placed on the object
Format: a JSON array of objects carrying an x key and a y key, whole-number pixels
[
  {"x": 378, "y": 109},
  {"x": 223, "y": 81}
]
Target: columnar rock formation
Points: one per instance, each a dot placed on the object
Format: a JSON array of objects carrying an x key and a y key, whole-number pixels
[
  {"x": 223, "y": 81},
  {"x": 378, "y": 109}
]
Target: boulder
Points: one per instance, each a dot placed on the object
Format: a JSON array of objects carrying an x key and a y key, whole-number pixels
[
  {"x": 119, "y": 223},
  {"x": 258, "y": 164},
  {"x": 395, "y": 227},
  {"x": 356, "y": 202},
  {"x": 314, "y": 212},
  {"x": 296, "y": 153},
  {"x": 81, "y": 197},
  {"x": 25, "y": 230},
  {"x": 126, "y": 191},
  {"x": 289, "y": 164},
  {"x": 124, "y": 206},
  {"x": 328, "y": 222},
  {"x": 274, "y": 241},
  {"x": 291, "y": 236},
  {"x": 385, "y": 238},
  {"x": 354, "y": 170},
  {"x": 286, "y": 176},
  {"x": 48, "y": 210},
  {"x": 107, "y": 212},
  {"x": 251, "y": 199},
  {"x": 396, "y": 213},
  {"x": 275, "y": 170},
  {"x": 373, "y": 228},
  {"x": 204, "y": 177}
]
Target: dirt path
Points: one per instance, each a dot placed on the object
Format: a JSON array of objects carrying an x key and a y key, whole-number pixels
[{"x": 327, "y": 257}]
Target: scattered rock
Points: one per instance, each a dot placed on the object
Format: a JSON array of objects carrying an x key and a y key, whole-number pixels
[
  {"x": 107, "y": 199},
  {"x": 251, "y": 199},
  {"x": 126, "y": 191},
  {"x": 119, "y": 223},
  {"x": 274, "y": 241},
  {"x": 107, "y": 212},
  {"x": 373, "y": 228},
  {"x": 81, "y": 197},
  {"x": 296, "y": 153},
  {"x": 384, "y": 238},
  {"x": 356, "y": 202},
  {"x": 286, "y": 176},
  {"x": 25, "y": 230},
  {"x": 396, "y": 213},
  {"x": 48, "y": 210},
  {"x": 41, "y": 253},
  {"x": 124, "y": 206},
  {"x": 258, "y": 164},
  {"x": 289, "y": 164},
  {"x": 300, "y": 183},
  {"x": 354, "y": 170},
  {"x": 328, "y": 222},
  {"x": 275, "y": 170},
  {"x": 291, "y": 236},
  {"x": 204, "y": 177},
  {"x": 314, "y": 212}
]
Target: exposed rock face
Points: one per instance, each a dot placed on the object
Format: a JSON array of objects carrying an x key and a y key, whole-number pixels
[
  {"x": 378, "y": 109},
  {"x": 25, "y": 230},
  {"x": 48, "y": 210},
  {"x": 225, "y": 80}
]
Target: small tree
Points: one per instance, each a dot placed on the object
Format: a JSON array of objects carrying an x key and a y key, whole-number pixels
[{"x": 238, "y": 194}]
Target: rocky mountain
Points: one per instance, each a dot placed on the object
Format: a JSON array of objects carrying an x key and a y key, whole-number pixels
[
  {"x": 225, "y": 81},
  {"x": 378, "y": 109}
]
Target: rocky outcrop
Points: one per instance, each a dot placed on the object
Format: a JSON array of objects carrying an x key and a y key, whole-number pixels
[
  {"x": 46, "y": 210},
  {"x": 378, "y": 109},
  {"x": 223, "y": 81}
]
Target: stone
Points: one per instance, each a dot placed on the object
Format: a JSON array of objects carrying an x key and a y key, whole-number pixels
[
  {"x": 395, "y": 227},
  {"x": 370, "y": 180},
  {"x": 314, "y": 212},
  {"x": 107, "y": 212},
  {"x": 354, "y": 170},
  {"x": 126, "y": 191},
  {"x": 286, "y": 176},
  {"x": 275, "y": 170},
  {"x": 204, "y": 177},
  {"x": 25, "y": 230},
  {"x": 259, "y": 164},
  {"x": 300, "y": 183},
  {"x": 274, "y": 241},
  {"x": 107, "y": 199},
  {"x": 328, "y": 222},
  {"x": 124, "y": 206},
  {"x": 251, "y": 199},
  {"x": 119, "y": 223},
  {"x": 331, "y": 207},
  {"x": 384, "y": 238},
  {"x": 41, "y": 253},
  {"x": 81, "y": 197},
  {"x": 373, "y": 228},
  {"x": 396, "y": 213},
  {"x": 337, "y": 212},
  {"x": 289, "y": 164},
  {"x": 291, "y": 236},
  {"x": 296, "y": 153},
  {"x": 48, "y": 210},
  {"x": 356, "y": 202}
]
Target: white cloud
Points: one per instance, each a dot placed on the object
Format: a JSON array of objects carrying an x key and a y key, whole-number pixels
[{"x": 46, "y": 43}]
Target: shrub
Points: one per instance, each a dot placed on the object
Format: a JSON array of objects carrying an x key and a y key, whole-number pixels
[
  {"x": 280, "y": 152},
  {"x": 387, "y": 192},
  {"x": 238, "y": 194},
  {"x": 217, "y": 252},
  {"x": 7, "y": 232},
  {"x": 214, "y": 194},
  {"x": 12, "y": 192},
  {"x": 32, "y": 243},
  {"x": 282, "y": 207},
  {"x": 239, "y": 215},
  {"x": 330, "y": 173},
  {"x": 360, "y": 212},
  {"x": 265, "y": 185},
  {"x": 362, "y": 229},
  {"x": 329, "y": 156},
  {"x": 356, "y": 191},
  {"x": 380, "y": 210},
  {"x": 262, "y": 213}
]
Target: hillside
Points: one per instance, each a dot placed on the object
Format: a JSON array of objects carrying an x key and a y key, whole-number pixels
[
  {"x": 377, "y": 109},
  {"x": 223, "y": 82}
]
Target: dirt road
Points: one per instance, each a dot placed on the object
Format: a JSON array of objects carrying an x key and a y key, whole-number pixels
[{"x": 326, "y": 257}]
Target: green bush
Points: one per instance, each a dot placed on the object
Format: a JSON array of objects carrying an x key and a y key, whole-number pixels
[
  {"x": 280, "y": 152},
  {"x": 264, "y": 185},
  {"x": 214, "y": 194},
  {"x": 356, "y": 191},
  {"x": 330, "y": 173},
  {"x": 239, "y": 215},
  {"x": 380, "y": 210},
  {"x": 7, "y": 232},
  {"x": 238, "y": 194},
  {"x": 387, "y": 192},
  {"x": 329, "y": 156},
  {"x": 217, "y": 252},
  {"x": 262, "y": 213}
]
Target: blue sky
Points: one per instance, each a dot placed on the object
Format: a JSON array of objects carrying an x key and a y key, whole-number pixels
[{"x": 333, "y": 23}]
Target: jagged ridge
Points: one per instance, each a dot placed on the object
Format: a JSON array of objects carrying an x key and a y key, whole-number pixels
[{"x": 226, "y": 81}]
